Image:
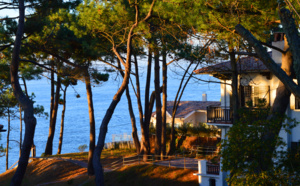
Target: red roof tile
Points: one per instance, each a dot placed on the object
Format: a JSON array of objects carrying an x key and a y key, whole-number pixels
[{"x": 245, "y": 64}]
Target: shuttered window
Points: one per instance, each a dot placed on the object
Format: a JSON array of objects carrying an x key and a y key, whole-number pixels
[
  {"x": 261, "y": 96},
  {"x": 256, "y": 96}
]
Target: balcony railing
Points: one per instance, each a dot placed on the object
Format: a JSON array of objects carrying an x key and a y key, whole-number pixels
[
  {"x": 212, "y": 169},
  {"x": 219, "y": 115}
]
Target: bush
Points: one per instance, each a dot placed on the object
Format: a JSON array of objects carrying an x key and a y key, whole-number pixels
[
  {"x": 242, "y": 152},
  {"x": 82, "y": 148}
]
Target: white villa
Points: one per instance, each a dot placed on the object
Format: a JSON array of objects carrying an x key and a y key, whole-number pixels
[{"x": 255, "y": 82}]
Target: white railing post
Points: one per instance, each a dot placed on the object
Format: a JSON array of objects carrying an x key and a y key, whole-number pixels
[{"x": 202, "y": 169}]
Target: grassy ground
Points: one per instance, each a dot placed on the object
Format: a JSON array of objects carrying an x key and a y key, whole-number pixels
[
  {"x": 61, "y": 173},
  {"x": 149, "y": 175},
  {"x": 107, "y": 156}
]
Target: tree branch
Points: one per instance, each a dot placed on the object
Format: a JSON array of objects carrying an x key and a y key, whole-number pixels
[{"x": 267, "y": 60}]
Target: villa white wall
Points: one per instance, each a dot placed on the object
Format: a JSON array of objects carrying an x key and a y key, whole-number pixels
[
  {"x": 196, "y": 118},
  {"x": 201, "y": 117},
  {"x": 190, "y": 119}
]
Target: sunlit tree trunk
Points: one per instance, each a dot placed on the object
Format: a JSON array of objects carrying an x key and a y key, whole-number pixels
[
  {"x": 103, "y": 129},
  {"x": 133, "y": 123},
  {"x": 157, "y": 103},
  {"x": 21, "y": 131},
  {"x": 7, "y": 138},
  {"x": 49, "y": 145},
  {"x": 145, "y": 142},
  {"x": 62, "y": 123},
  {"x": 164, "y": 104},
  {"x": 134, "y": 133},
  {"x": 172, "y": 147},
  {"x": 92, "y": 122}
]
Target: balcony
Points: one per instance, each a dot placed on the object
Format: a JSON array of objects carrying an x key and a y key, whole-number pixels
[{"x": 219, "y": 115}]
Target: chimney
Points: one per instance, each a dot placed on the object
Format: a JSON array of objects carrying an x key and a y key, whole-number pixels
[
  {"x": 279, "y": 43},
  {"x": 204, "y": 97}
]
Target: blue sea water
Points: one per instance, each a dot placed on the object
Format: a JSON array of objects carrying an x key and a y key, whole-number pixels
[{"x": 76, "y": 130}]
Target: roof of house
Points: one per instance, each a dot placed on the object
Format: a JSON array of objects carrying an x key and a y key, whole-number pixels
[
  {"x": 245, "y": 64},
  {"x": 187, "y": 107}
]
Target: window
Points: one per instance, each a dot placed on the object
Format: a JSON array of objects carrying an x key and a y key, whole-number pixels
[
  {"x": 256, "y": 96},
  {"x": 261, "y": 96}
]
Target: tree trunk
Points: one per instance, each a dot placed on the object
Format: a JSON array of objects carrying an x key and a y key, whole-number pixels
[
  {"x": 145, "y": 146},
  {"x": 104, "y": 124},
  {"x": 26, "y": 104},
  {"x": 7, "y": 139},
  {"x": 279, "y": 107},
  {"x": 61, "y": 134},
  {"x": 234, "y": 84},
  {"x": 103, "y": 129},
  {"x": 164, "y": 104},
  {"x": 131, "y": 113},
  {"x": 133, "y": 123},
  {"x": 51, "y": 91},
  {"x": 49, "y": 145},
  {"x": 21, "y": 130},
  {"x": 268, "y": 61},
  {"x": 285, "y": 87},
  {"x": 92, "y": 122},
  {"x": 291, "y": 32},
  {"x": 172, "y": 147},
  {"x": 157, "y": 104}
]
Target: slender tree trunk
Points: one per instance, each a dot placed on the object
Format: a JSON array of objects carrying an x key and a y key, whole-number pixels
[
  {"x": 103, "y": 129},
  {"x": 25, "y": 86},
  {"x": 26, "y": 104},
  {"x": 131, "y": 113},
  {"x": 133, "y": 123},
  {"x": 51, "y": 91},
  {"x": 92, "y": 122},
  {"x": 145, "y": 147},
  {"x": 104, "y": 124},
  {"x": 164, "y": 104},
  {"x": 172, "y": 147},
  {"x": 7, "y": 138},
  {"x": 61, "y": 134},
  {"x": 234, "y": 85},
  {"x": 21, "y": 130},
  {"x": 158, "y": 104},
  {"x": 49, "y": 145}
]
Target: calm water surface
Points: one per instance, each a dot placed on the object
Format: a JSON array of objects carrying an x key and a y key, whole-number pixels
[{"x": 76, "y": 131}]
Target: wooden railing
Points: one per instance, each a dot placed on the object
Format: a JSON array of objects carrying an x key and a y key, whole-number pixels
[
  {"x": 212, "y": 169},
  {"x": 219, "y": 115}
]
